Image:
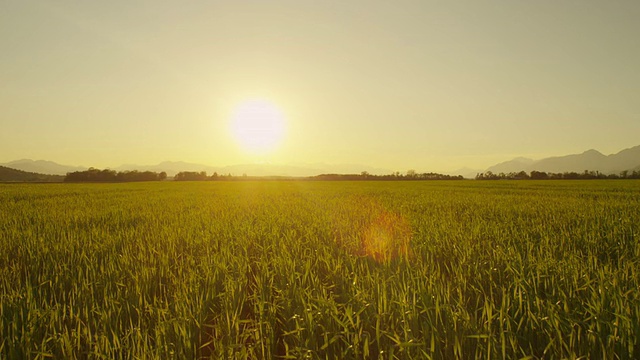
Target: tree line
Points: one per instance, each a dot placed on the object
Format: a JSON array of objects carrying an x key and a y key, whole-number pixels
[
  {"x": 202, "y": 176},
  {"x": 410, "y": 175},
  {"x": 541, "y": 175},
  {"x": 106, "y": 175}
]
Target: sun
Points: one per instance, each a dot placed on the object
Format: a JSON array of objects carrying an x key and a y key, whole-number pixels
[{"x": 258, "y": 125}]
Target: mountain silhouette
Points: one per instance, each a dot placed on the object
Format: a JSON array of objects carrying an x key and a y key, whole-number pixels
[
  {"x": 170, "y": 167},
  {"x": 592, "y": 160},
  {"x": 43, "y": 167},
  {"x": 516, "y": 165},
  {"x": 174, "y": 167},
  {"x": 13, "y": 175},
  {"x": 294, "y": 170}
]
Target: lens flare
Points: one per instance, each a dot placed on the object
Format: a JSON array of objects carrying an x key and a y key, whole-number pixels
[
  {"x": 380, "y": 234},
  {"x": 387, "y": 237}
]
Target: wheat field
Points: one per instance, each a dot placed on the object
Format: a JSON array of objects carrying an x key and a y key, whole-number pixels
[{"x": 320, "y": 270}]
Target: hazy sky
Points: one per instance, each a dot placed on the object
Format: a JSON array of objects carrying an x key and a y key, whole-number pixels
[{"x": 427, "y": 85}]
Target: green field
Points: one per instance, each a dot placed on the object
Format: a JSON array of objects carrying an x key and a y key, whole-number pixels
[{"x": 321, "y": 270}]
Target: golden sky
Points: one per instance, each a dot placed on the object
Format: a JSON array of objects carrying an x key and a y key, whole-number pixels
[{"x": 425, "y": 85}]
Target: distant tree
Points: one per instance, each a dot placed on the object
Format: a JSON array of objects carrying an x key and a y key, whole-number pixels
[
  {"x": 364, "y": 176},
  {"x": 106, "y": 175},
  {"x": 521, "y": 176},
  {"x": 190, "y": 176},
  {"x": 539, "y": 175}
]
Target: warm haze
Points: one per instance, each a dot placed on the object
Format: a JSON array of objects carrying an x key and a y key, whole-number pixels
[{"x": 428, "y": 85}]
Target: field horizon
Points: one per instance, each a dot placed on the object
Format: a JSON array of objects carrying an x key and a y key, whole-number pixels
[{"x": 627, "y": 159}]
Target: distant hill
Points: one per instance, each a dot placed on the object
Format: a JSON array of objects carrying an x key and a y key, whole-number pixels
[
  {"x": 170, "y": 167},
  {"x": 300, "y": 170},
  {"x": 174, "y": 167},
  {"x": 42, "y": 167},
  {"x": 466, "y": 172},
  {"x": 13, "y": 175},
  {"x": 593, "y": 160},
  {"x": 516, "y": 165},
  {"x": 295, "y": 170}
]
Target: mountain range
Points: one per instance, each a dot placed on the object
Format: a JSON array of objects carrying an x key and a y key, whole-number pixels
[
  {"x": 42, "y": 167},
  {"x": 13, "y": 175},
  {"x": 592, "y": 160},
  {"x": 174, "y": 167}
]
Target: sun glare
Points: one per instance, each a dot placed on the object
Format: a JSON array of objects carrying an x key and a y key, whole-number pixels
[{"x": 258, "y": 125}]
